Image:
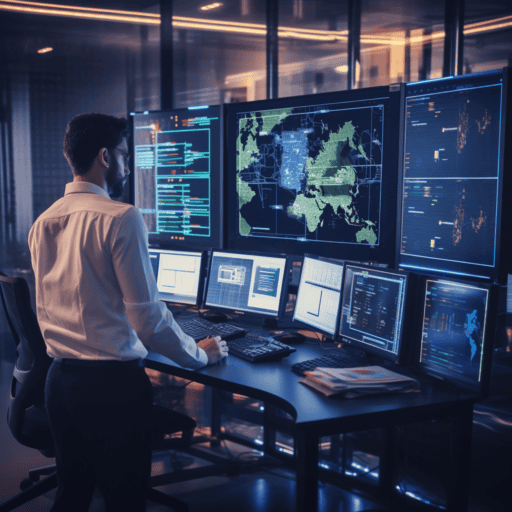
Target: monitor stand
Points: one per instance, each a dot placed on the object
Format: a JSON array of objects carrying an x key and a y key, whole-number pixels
[{"x": 270, "y": 323}]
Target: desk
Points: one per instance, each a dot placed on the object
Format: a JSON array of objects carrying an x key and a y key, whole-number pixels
[{"x": 316, "y": 416}]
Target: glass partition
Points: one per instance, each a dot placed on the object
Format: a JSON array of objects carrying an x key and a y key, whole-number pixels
[{"x": 219, "y": 52}]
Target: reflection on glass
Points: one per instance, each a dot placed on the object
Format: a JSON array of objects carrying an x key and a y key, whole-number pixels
[
  {"x": 313, "y": 39},
  {"x": 401, "y": 41},
  {"x": 487, "y": 35},
  {"x": 219, "y": 53}
]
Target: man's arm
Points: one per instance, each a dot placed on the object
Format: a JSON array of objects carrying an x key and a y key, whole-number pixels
[{"x": 152, "y": 321}]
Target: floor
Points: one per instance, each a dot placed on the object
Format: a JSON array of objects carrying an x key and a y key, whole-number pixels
[{"x": 273, "y": 488}]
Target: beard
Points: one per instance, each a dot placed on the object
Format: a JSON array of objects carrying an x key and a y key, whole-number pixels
[
  {"x": 115, "y": 185},
  {"x": 116, "y": 190}
]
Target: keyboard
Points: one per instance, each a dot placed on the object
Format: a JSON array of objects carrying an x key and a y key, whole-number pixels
[
  {"x": 199, "y": 328},
  {"x": 328, "y": 361},
  {"x": 259, "y": 348}
]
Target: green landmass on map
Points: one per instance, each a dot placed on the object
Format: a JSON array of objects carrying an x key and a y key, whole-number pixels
[
  {"x": 308, "y": 207},
  {"x": 330, "y": 181},
  {"x": 273, "y": 118},
  {"x": 330, "y": 175},
  {"x": 337, "y": 197},
  {"x": 367, "y": 234},
  {"x": 245, "y": 195},
  {"x": 245, "y": 229},
  {"x": 246, "y": 121},
  {"x": 246, "y": 155}
]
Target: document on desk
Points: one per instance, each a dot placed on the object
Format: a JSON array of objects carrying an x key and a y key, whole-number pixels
[{"x": 354, "y": 382}]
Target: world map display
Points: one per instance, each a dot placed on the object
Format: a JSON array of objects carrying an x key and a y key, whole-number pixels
[{"x": 311, "y": 173}]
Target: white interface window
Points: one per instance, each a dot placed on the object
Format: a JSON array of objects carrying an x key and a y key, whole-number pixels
[
  {"x": 178, "y": 276},
  {"x": 246, "y": 282},
  {"x": 319, "y": 293}
]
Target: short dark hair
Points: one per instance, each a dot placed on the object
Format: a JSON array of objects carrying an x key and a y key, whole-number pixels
[{"x": 86, "y": 134}]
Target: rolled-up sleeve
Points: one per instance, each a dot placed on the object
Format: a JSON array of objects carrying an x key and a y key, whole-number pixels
[{"x": 152, "y": 321}]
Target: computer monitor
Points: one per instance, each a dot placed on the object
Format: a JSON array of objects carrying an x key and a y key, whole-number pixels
[
  {"x": 315, "y": 174},
  {"x": 452, "y": 188},
  {"x": 178, "y": 275},
  {"x": 177, "y": 176},
  {"x": 372, "y": 312},
  {"x": 318, "y": 296},
  {"x": 247, "y": 282},
  {"x": 457, "y": 323}
]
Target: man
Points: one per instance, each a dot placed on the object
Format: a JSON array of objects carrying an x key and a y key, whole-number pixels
[{"x": 97, "y": 308}]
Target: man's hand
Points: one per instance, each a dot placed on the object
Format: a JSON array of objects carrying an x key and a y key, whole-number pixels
[{"x": 215, "y": 348}]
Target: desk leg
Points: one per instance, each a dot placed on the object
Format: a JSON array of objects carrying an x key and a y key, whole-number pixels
[
  {"x": 216, "y": 418},
  {"x": 387, "y": 462},
  {"x": 461, "y": 431},
  {"x": 306, "y": 460},
  {"x": 269, "y": 433}
]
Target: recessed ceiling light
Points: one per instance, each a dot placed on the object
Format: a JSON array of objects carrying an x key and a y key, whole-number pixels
[
  {"x": 45, "y": 50},
  {"x": 209, "y": 7},
  {"x": 341, "y": 69}
]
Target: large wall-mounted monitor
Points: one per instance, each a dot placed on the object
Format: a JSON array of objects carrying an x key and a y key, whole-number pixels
[
  {"x": 250, "y": 283},
  {"x": 177, "y": 176},
  {"x": 373, "y": 310},
  {"x": 453, "y": 186},
  {"x": 315, "y": 174},
  {"x": 318, "y": 296},
  {"x": 178, "y": 275},
  {"x": 457, "y": 322}
]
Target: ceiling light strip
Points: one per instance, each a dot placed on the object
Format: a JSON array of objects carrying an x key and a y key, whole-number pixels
[
  {"x": 90, "y": 9},
  {"x": 73, "y": 14},
  {"x": 487, "y": 22},
  {"x": 488, "y": 28},
  {"x": 227, "y": 26}
]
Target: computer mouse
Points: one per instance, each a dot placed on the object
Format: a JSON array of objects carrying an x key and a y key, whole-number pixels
[
  {"x": 215, "y": 316},
  {"x": 290, "y": 337}
]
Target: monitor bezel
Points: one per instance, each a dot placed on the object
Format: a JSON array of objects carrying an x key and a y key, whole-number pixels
[
  {"x": 401, "y": 356},
  {"x": 480, "y": 388},
  {"x": 425, "y": 265},
  {"x": 202, "y": 272},
  {"x": 284, "y": 290},
  {"x": 165, "y": 241},
  {"x": 310, "y": 327},
  {"x": 385, "y": 252}
]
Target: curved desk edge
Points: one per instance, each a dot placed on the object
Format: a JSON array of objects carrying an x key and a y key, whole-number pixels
[{"x": 158, "y": 362}]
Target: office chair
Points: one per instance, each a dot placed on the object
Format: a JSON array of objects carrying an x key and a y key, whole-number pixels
[{"x": 26, "y": 413}]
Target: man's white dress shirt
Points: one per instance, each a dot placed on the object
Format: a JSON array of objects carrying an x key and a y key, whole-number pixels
[{"x": 95, "y": 287}]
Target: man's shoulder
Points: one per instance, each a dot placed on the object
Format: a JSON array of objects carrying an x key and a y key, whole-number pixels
[{"x": 75, "y": 203}]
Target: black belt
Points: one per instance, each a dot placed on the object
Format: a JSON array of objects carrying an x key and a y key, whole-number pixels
[{"x": 95, "y": 363}]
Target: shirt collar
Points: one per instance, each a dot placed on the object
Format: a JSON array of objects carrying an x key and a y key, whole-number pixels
[{"x": 84, "y": 187}]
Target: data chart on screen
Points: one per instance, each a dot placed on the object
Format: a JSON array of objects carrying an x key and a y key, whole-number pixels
[
  {"x": 372, "y": 308},
  {"x": 319, "y": 292},
  {"x": 177, "y": 173},
  {"x": 451, "y": 178},
  {"x": 177, "y": 275}
]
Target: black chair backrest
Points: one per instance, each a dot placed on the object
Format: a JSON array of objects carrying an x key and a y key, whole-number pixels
[{"x": 32, "y": 361}]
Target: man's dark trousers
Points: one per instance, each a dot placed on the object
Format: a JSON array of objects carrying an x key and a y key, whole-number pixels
[{"x": 100, "y": 420}]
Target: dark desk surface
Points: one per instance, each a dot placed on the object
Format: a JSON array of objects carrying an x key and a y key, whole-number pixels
[
  {"x": 316, "y": 415},
  {"x": 275, "y": 383}
]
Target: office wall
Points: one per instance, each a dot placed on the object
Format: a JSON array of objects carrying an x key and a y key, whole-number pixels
[{"x": 93, "y": 66}]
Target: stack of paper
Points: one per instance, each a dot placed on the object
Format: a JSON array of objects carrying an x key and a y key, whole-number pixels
[{"x": 353, "y": 382}]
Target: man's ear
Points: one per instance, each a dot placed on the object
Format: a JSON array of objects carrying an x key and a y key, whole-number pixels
[{"x": 104, "y": 157}]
